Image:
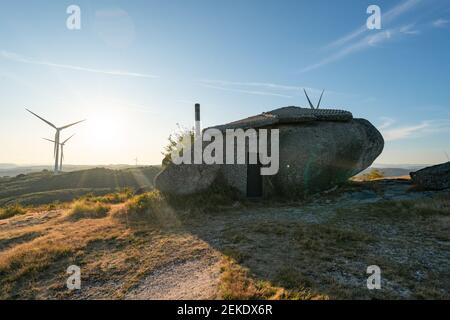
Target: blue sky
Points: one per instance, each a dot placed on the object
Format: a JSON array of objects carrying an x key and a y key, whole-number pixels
[{"x": 136, "y": 68}]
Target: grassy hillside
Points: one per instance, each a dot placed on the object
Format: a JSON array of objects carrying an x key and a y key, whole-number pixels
[
  {"x": 208, "y": 246},
  {"x": 12, "y": 170},
  {"x": 44, "y": 187}
]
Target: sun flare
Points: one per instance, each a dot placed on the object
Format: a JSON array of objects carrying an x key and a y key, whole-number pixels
[{"x": 104, "y": 128}]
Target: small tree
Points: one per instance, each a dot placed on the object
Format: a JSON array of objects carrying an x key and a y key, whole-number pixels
[
  {"x": 174, "y": 141},
  {"x": 373, "y": 174}
]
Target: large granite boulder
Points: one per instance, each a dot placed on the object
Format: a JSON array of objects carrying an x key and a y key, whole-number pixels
[
  {"x": 318, "y": 149},
  {"x": 186, "y": 179},
  {"x": 318, "y": 155},
  {"x": 433, "y": 178}
]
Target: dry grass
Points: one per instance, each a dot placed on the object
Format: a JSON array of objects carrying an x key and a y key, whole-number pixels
[
  {"x": 439, "y": 205},
  {"x": 48, "y": 254},
  {"x": 114, "y": 254},
  {"x": 165, "y": 210},
  {"x": 265, "y": 255},
  {"x": 84, "y": 209},
  {"x": 147, "y": 203},
  {"x": 297, "y": 257},
  {"x": 111, "y": 198},
  {"x": 237, "y": 283},
  {"x": 403, "y": 210},
  {"x": 149, "y": 208},
  {"x": 11, "y": 211}
]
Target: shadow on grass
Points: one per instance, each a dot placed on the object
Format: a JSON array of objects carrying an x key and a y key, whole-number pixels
[{"x": 266, "y": 257}]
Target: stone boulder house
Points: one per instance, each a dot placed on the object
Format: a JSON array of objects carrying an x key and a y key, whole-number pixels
[{"x": 318, "y": 149}]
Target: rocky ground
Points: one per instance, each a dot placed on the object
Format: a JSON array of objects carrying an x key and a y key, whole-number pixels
[{"x": 297, "y": 250}]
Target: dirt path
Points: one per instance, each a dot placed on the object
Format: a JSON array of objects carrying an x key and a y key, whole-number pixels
[{"x": 184, "y": 280}]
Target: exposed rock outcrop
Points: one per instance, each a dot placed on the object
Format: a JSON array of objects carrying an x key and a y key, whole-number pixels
[
  {"x": 433, "y": 178},
  {"x": 319, "y": 155},
  {"x": 186, "y": 179}
]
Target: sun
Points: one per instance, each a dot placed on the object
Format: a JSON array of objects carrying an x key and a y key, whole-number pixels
[{"x": 105, "y": 128}]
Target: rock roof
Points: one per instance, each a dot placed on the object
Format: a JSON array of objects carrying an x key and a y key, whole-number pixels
[{"x": 288, "y": 115}]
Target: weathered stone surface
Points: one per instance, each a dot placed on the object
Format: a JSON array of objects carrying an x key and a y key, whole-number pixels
[
  {"x": 318, "y": 155},
  {"x": 186, "y": 179},
  {"x": 433, "y": 178}
]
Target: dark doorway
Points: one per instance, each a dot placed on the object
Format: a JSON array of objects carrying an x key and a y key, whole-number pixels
[{"x": 254, "y": 180}]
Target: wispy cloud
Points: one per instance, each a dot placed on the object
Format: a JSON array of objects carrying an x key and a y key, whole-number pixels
[
  {"x": 387, "y": 122},
  {"x": 423, "y": 128},
  {"x": 19, "y": 58},
  {"x": 387, "y": 17},
  {"x": 264, "y": 88},
  {"x": 251, "y": 84},
  {"x": 409, "y": 29},
  {"x": 362, "y": 38},
  {"x": 440, "y": 23},
  {"x": 254, "y": 92},
  {"x": 405, "y": 132},
  {"x": 367, "y": 42}
]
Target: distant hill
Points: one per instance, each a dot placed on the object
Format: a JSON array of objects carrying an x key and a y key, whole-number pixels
[
  {"x": 12, "y": 170},
  {"x": 45, "y": 187},
  {"x": 6, "y": 166},
  {"x": 393, "y": 171}
]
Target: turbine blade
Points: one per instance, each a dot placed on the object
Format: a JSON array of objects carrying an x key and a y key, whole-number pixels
[
  {"x": 67, "y": 139},
  {"x": 318, "y": 104},
  {"x": 49, "y": 140},
  {"x": 72, "y": 124},
  {"x": 309, "y": 101},
  {"x": 47, "y": 122}
]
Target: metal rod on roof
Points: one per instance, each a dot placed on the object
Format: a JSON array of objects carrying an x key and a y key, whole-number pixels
[
  {"x": 309, "y": 101},
  {"x": 318, "y": 104}
]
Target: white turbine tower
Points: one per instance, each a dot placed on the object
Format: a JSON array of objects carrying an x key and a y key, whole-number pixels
[
  {"x": 56, "y": 141},
  {"x": 62, "y": 150}
]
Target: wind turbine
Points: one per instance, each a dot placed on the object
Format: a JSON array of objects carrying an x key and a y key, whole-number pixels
[
  {"x": 56, "y": 141},
  {"x": 62, "y": 149}
]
